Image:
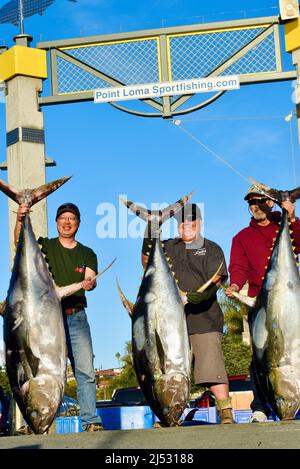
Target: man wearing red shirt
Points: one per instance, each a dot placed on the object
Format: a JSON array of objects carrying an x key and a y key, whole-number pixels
[{"x": 250, "y": 253}]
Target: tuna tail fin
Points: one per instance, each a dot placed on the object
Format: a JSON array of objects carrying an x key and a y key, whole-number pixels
[
  {"x": 276, "y": 195},
  {"x": 158, "y": 216},
  {"x": 273, "y": 194},
  {"x": 294, "y": 194},
  {"x": 126, "y": 303},
  {"x": 31, "y": 196}
]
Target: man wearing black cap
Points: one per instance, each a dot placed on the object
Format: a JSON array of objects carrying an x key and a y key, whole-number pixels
[
  {"x": 71, "y": 262},
  {"x": 195, "y": 260},
  {"x": 250, "y": 250}
]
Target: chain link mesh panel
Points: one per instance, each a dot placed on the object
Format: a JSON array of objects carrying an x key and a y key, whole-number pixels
[
  {"x": 73, "y": 79},
  {"x": 130, "y": 62},
  {"x": 260, "y": 59},
  {"x": 197, "y": 55},
  {"x": 191, "y": 55}
]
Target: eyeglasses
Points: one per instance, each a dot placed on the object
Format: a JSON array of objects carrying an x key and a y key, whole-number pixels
[
  {"x": 263, "y": 200},
  {"x": 63, "y": 218}
]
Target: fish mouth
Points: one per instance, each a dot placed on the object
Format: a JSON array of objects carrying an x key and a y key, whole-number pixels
[
  {"x": 172, "y": 392},
  {"x": 39, "y": 420},
  {"x": 41, "y": 404}
]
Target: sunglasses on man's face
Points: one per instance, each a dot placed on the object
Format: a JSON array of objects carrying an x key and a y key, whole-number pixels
[{"x": 260, "y": 201}]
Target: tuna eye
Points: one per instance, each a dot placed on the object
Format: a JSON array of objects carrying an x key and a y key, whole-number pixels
[{"x": 34, "y": 413}]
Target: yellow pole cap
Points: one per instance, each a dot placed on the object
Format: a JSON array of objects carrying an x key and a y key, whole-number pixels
[{"x": 26, "y": 61}]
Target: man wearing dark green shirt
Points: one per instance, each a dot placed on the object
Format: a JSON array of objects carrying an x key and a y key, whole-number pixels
[{"x": 71, "y": 262}]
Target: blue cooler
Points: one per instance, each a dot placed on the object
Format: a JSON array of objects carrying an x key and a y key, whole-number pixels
[{"x": 126, "y": 417}]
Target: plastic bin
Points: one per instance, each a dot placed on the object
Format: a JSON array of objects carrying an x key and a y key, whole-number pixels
[
  {"x": 126, "y": 417},
  {"x": 205, "y": 414},
  {"x": 242, "y": 416},
  {"x": 68, "y": 425},
  {"x": 209, "y": 414}
]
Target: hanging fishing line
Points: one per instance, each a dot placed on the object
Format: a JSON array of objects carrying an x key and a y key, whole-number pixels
[
  {"x": 178, "y": 123},
  {"x": 288, "y": 118}
]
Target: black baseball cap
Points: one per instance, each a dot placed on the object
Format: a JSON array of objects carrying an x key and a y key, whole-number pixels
[
  {"x": 68, "y": 207},
  {"x": 189, "y": 212}
]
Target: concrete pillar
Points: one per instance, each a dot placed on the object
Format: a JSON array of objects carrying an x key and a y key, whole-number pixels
[
  {"x": 25, "y": 160},
  {"x": 23, "y": 70}
]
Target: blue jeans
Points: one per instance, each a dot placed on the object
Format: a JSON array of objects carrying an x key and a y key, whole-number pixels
[{"x": 80, "y": 353}]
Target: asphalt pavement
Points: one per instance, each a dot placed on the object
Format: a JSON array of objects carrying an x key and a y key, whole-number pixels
[{"x": 271, "y": 435}]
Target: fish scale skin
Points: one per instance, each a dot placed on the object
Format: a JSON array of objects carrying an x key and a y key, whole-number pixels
[
  {"x": 160, "y": 340},
  {"x": 277, "y": 319},
  {"x": 34, "y": 335}
]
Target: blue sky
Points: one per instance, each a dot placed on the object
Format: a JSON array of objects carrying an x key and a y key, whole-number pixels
[{"x": 152, "y": 160}]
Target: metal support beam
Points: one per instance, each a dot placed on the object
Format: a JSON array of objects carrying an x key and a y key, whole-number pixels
[
  {"x": 154, "y": 32},
  {"x": 164, "y": 73},
  {"x": 48, "y": 162}
]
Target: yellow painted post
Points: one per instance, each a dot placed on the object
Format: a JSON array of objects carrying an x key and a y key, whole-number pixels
[{"x": 23, "y": 69}]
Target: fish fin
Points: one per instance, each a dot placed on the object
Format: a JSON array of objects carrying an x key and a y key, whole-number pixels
[
  {"x": 68, "y": 290},
  {"x": 126, "y": 303},
  {"x": 32, "y": 360},
  {"x": 156, "y": 217},
  {"x": 171, "y": 210},
  {"x": 294, "y": 194},
  {"x": 161, "y": 353},
  {"x": 136, "y": 209},
  {"x": 10, "y": 191},
  {"x": 273, "y": 194},
  {"x": 206, "y": 285},
  {"x": 31, "y": 196},
  {"x": 105, "y": 269},
  {"x": 42, "y": 191},
  {"x": 247, "y": 300}
]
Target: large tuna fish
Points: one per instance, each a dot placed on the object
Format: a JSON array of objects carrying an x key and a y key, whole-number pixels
[
  {"x": 34, "y": 336},
  {"x": 275, "y": 320},
  {"x": 160, "y": 342}
]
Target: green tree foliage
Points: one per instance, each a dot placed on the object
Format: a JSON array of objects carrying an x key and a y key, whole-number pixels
[
  {"x": 118, "y": 357},
  {"x": 71, "y": 389},
  {"x": 237, "y": 354},
  {"x": 127, "y": 377},
  {"x": 4, "y": 383}
]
